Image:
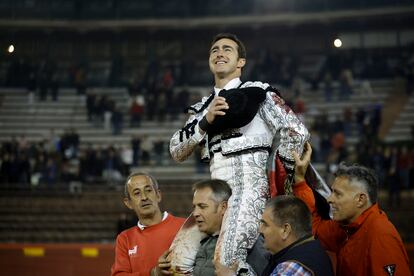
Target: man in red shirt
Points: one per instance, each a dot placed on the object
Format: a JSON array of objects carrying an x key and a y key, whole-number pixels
[
  {"x": 364, "y": 240},
  {"x": 138, "y": 248}
]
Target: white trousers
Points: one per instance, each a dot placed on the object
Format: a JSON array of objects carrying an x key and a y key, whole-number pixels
[{"x": 246, "y": 175}]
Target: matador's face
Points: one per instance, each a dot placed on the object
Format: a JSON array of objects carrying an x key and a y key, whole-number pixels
[{"x": 224, "y": 59}]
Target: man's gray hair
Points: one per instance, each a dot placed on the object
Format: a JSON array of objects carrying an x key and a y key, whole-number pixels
[
  {"x": 221, "y": 190},
  {"x": 362, "y": 176},
  {"x": 154, "y": 182}
]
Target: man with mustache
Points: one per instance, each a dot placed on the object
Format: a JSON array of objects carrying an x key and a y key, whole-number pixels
[{"x": 138, "y": 248}]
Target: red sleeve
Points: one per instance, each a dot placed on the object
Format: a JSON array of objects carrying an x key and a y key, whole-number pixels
[
  {"x": 387, "y": 253},
  {"x": 122, "y": 266},
  {"x": 327, "y": 232}
]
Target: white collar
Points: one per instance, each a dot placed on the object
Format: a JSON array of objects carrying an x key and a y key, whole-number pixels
[
  {"x": 142, "y": 226},
  {"x": 231, "y": 84}
]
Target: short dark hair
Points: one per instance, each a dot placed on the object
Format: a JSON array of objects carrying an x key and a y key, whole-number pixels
[
  {"x": 221, "y": 190},
  {"x": 362, "y": 175},
  {"x": 154, "y": 182},
  {"x": 241, "y": 49},
  {"x": 292, "y": 210}
]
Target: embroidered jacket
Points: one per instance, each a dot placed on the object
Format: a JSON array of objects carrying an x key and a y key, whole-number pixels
[{"x": 274, "y": 125}]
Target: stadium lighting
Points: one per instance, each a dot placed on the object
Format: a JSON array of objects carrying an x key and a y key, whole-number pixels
[
  {"x": 10, "y": 49},
  {"x": 337, "y": 43}
]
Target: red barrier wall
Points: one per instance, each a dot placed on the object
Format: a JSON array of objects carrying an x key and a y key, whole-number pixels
[
  {"x": 70, "y": 259},
  {"x": 56, "y": 259}
]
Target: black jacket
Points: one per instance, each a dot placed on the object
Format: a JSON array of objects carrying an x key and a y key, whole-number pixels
[{"x": 306, "y": 251}]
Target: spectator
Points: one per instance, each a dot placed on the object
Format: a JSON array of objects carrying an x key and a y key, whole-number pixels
[
  {"x": 375, "y": 118},
  {"x": 360, "y": 119},
  {"x": 346, "y": 81},
  {"x": 159, "y": 152},
  {"x": 209, "y": 206},
  {"x": 328, "y": 89},
  {"x": 117, "y": 121},
  {"x": 52, "y": 141},
  {"x": 80, "y": 80},
  {"x": 51, "y": 174},
  {"x": 126, "y": 157},
  {"x": 162, "y": 105},
  {"x": 366, "y": 88},
  {"x": 136, "y": 150},
  {"x": 112, "y": 167},
  {"x": 297, "y": 86},
  {"x": 90, "y": 103},
  {"x": 359, "y": 232},
  {"x": 54, "y": 85},
  {"x": 97, "y": 164},
  {"x": 107, "y": 107},
  {"x": 300, "y": 108},
  {"x": 347, "y": 120},
  {"x": 43, "y": 80},
  {"x": 138, "y": 248},
  {"x": 39, "y": 169},
  {"x": 6, "y": 163},
  {"x": 136, "y": 111},
  {"x": 24, "y": 169},
  {"x": 286, "y": 227},
  {"x": 31, "y": 85},
  {"x": 146, "y": 148}
]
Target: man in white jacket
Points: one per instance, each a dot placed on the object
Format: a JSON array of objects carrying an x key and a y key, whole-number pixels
[{"x": 236, "y": 128}]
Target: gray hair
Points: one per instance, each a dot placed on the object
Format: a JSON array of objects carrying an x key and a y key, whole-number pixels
[
  {"x": 154, "y": 182},
  {"x": 221, "y": 190},
  {"x": 361, "y": 176}
]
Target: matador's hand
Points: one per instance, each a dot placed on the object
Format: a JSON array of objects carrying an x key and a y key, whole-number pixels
[{"x": 217, "y": 108}]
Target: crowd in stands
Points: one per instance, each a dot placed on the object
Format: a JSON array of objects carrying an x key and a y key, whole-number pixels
[
  {"x": 59, "y": 159},
  {"x": 161, "y": 94},
  {"x": 155, "y": 97},
  {"x": 103, "y": 111},
  {"x": 149, "y": 100},
  {"x": 24, "y": 162},
  {"x": 393, "y": 163},
  {"x": 157, "y": 80}
]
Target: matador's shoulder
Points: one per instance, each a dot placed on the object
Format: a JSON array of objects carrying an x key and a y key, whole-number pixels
[
  {"x": 259, "y": 84},
  {"x": 201, "y": 105},
  {"x": 263, "y": 85}
]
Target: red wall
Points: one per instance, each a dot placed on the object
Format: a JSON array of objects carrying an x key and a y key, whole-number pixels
[
  {"x": 67, "y": 260},
  {"x": 58, "y": 259}
]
